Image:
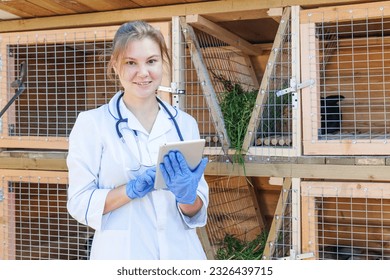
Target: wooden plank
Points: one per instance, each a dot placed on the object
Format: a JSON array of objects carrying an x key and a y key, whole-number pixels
[
  {"x": 347, "y": 147},
  {"x": 309, "y": 71},
  {"x": 204, "y": 239},
  {"x": 35, "y": 176},
  {"x": 346, "y": 189},
  {"x": 354, "y": 172},
  {"x": 347, "y": 13},
  {"x": 309, "y": 226},
  {"x": 61, "y": 7},
  {"x": 104, "y": 5},
  {"x": 222, "y": 34},
  {"x": 262, "y": 95},
  {"x": 254, "y": 194},
  {"x": 277, "y": 221},
  {"x": 208, "y": 90},
  {"x": 33, "y": 163},
  {"x": 25, "y": 9},
  {"x": 210, "y": 8}
]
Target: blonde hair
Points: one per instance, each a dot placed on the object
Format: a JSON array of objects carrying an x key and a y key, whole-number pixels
[{"x": 131, "y": 31}]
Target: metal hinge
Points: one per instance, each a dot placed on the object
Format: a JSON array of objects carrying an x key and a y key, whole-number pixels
[
  {"x": 294, "y": 86},
  {"x": 1, "y": 195}
]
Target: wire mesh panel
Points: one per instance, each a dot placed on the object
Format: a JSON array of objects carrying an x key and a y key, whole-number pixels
[
  {"x": 35, "y": 224},
  {"x": 345, "y": 54},
  {"x": 273, "y": 130},
  {"x": 66, "y": 74},
  {"x": 346, "y": 220},
  {"x": 284, "y": 235},
  {"x": 231, "y": 211},
  {"x": 212, "y": 68}
]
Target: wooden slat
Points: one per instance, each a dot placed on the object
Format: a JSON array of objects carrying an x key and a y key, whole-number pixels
[
  {"x": 347, "y": 13},
  {"x": 243, "y": 8},
  {"x": 207, "y": 86},
  {"x": 109, "y": 5},
  {"x": 345, "y": 189},
  {"x": 222, "y": 34},
  {"x": 309, "y": 170},
  {"x": 309, "y": 225},
  {"x": 61, "y": 7},
  {"x": 204, "y": 239},
  {"x": 35, "y": 176},
  {"x": 25, "y": 9},
  {"x": 277, "y": 221}
]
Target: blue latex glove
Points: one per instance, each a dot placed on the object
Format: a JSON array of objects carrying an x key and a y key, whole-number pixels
[
  {"x": 179, "y": 178},
  {"x": 141, "y": 185}
]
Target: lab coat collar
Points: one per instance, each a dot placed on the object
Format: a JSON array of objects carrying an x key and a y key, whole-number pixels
[{"x": 162, "y": 125}]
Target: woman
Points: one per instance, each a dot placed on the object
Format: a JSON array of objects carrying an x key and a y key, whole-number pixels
[{"x": 112, "y": 155}]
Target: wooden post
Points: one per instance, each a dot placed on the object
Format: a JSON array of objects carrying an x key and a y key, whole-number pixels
[{"x": 277, "y": 221}]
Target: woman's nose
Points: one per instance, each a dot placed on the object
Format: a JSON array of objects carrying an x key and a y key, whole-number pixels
[{"x": 143, "y": 71}]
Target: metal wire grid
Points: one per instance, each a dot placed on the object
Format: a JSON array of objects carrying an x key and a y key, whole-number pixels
[
  {"x": 353, "y": 57},
  {"x": 281, "y": 244},
  {"x": 224, "y": 63},
  {"x": 66, "y": 74},
  {"x": 349, "y": 227},
  {"x": 276, "y": 122},
  {"x": 231, "y": 211},
  {"x": 38, "y": 224}
]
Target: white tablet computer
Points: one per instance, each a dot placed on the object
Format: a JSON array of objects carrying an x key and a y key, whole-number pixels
[{"x": 192, "y": 151}]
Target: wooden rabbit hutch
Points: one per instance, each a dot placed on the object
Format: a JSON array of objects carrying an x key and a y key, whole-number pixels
[
  {"x": 345, "y": 57},
  {"x": 35, "y": 224},
  {"x": 319, "y": 112}
]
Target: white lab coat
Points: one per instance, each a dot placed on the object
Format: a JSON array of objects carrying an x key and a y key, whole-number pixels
[{"x": 151, "y": 227}]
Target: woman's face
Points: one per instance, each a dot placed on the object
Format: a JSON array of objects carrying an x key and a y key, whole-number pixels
[{"x": 140, "y": 69}]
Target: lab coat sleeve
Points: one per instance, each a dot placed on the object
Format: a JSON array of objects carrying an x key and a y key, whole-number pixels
[
  {"x": 85, "y": 199},
  {"x": 200, "y": 218}
]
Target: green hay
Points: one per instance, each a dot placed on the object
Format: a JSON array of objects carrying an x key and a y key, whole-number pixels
[{"x": 235, "y": 249}]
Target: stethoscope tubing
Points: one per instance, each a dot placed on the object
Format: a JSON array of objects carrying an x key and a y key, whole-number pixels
[{"x": 120, "y": 119}]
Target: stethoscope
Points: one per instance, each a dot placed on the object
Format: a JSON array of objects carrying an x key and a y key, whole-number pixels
[{"x": 120, "y": 119}]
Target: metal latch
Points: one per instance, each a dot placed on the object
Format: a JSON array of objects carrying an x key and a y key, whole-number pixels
[
  {"x": 295, "y": 256},
  {"x": 172, "y": 89},
  {"x": 294, "y": 86},
  {"x": 176, "y": 93}
]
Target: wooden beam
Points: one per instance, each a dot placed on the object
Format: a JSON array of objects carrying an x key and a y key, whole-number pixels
[
  {"x": 222, "y": 34},
  {"x": 159, "y": 13},
  {"x": 301, "y": 170},
  {"x": 277, "y": 221},
  {"x": 206, "y": 84}
]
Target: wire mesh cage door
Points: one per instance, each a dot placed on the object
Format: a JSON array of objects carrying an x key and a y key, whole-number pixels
[
  {"x": 66, "y": 74},
  {"x": 35, "y": 221},
  {"x": 346, "y": 220},
  {"x": 345, "y": 54},
  {"x": 284, "y": 235},
  {"x": 213, "y": 67},
  {"x": 274, "y": 128}
]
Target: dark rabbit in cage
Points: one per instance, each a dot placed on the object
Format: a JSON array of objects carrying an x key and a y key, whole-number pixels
[{"x": 331, "y": 115}]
